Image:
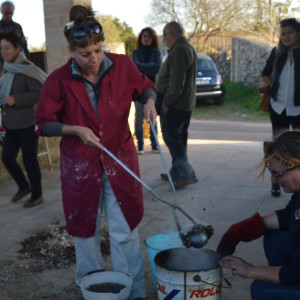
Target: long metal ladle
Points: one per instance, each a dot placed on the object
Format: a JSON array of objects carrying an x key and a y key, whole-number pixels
[{"x": 198, "y": 235}]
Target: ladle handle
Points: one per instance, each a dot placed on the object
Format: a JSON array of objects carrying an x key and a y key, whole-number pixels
[
  {"x": 144, "y": 184},
  {"x": 171, "y": 182},
  {"x": 168, "y": 174},
  {"x": 163, "y": 160},
  {"x": 135, "y": 176}
]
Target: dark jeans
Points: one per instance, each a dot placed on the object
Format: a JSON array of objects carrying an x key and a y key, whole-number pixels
[
  {"x": 278, "y": 249},
  {"x": 283, "y": 122},
  {"x": 27, "y": 140},
  {"x": 139, "y": 120},
  {"x": 174, "y": 127}
]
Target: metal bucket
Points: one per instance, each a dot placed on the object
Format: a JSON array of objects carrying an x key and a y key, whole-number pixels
[
  {"x": 188, "y": 273},
  {"x": 105, "y": 285}
]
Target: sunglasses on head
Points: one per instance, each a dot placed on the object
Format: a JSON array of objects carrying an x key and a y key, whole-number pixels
[{"x": 79, "y": 34}]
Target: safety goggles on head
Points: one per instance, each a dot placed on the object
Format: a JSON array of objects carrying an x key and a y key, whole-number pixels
[{"x": 79, "y": 34}]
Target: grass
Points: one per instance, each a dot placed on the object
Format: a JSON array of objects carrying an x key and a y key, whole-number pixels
[{"x": 241, "y": 104}]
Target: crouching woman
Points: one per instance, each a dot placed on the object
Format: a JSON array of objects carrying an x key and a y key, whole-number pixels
[{"x": 281, "y": 228}]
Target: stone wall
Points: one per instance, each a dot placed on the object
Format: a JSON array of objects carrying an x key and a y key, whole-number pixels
[
  {"x": 56, "y": 15},
  {"x": 245, "y": 60},
  {"x": 248, "y": 60},
  {"x": 223, "y": 62}
]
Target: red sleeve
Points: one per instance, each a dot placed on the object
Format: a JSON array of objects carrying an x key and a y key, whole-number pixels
[{"x": 51, "y": 103}]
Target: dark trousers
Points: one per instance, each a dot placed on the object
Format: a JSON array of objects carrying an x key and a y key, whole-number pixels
[
  {"x": 283, "y": 122},
  {"x": 174, "y": 127},
  {"x": 139, "y": 132},
  {"x": 27, "y": 140},
  {"x": 279, "y": 251}
]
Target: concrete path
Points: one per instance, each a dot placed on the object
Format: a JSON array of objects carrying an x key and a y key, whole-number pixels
[{"x": 224, "y": 155}]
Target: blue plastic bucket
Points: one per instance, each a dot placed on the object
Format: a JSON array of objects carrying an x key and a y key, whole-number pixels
[{"x": 160, "y": 242}]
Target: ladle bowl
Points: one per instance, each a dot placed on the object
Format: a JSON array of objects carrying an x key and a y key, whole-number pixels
[{"x": 197, "y": 236}]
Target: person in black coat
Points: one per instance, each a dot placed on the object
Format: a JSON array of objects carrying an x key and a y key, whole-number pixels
[{"x": 147, "y": 58}]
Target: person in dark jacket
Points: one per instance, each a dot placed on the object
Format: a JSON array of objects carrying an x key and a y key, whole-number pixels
[
  {"x": 147, "y": 58},
  {"x": 281, "y": 229},
  {"x": 7, "y": 24},
  {"x": 282, "y": 73},
  {"x": 176, "y": 88},
  {"x": 21, "y": 85}
]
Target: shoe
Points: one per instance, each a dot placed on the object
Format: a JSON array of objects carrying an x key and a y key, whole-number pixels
[
  {"x": 275, "y": 190},
  {"x": 180, "y": 183},
  {"x": 20, "y": 194},
  {"x": 164, "y": 176},
  {"x": 31, "y": 203},
  {"x": 140, "y": 151},
  {"x": 155, "y": 151}
]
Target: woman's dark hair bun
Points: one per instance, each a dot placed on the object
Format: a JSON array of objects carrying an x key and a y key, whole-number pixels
[{"x": 79, "y": 13}]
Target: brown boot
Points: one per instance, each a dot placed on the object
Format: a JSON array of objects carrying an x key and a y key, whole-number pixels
[
  {"x": 180, "y": 183},
  {"x": 31, "y": 203},
  {"x": 20, "y": 194}
]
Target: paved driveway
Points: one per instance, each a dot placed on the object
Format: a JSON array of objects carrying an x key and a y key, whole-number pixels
[{"x": 224, "y": 155}]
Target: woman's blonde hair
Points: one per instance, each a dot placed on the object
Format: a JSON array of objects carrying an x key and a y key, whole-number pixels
[{"x": 285, "y": 148}]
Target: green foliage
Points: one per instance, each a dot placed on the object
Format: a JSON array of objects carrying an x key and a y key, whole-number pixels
[
  {"x": 117, "y": 32},
  {"x": 267, "y": 16},
  {"x": 241, "y": 104},
  {"x": 130, "y": 44},
  {"x": 111, "y": 31}
]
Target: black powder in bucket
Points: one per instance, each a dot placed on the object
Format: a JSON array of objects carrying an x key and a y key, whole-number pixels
[{"x": 107, "y": 287}]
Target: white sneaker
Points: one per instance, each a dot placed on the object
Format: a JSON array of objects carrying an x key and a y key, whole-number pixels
[{"x": 140, "y": 152}]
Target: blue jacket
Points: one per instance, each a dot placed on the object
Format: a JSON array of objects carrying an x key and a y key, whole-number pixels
[
  {"x": 289, "y": 274},
  {"x": 148, "y": 61}
]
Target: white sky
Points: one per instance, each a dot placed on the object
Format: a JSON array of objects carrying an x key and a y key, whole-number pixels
[{"x": 30, "y": 15}]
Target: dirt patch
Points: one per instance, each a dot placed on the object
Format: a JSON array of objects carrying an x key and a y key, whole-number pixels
[
  {"x": 54, "y": 248},
  {"x": 51, "y": 250}
]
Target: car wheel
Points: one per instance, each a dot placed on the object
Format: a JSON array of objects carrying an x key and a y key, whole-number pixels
[{"x": 219, "y": 100}]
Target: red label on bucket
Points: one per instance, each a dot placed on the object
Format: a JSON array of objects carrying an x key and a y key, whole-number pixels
[
  {"x": 205, "y": 293},
  {"x": 161, "y": 288},
  {"x": 195, "y": 294}
]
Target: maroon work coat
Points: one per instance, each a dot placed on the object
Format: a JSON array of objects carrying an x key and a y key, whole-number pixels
[{"x": 65, "y": 99}]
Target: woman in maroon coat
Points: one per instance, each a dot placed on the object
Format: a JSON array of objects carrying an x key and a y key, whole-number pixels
[{"x": 87, "y": 101}]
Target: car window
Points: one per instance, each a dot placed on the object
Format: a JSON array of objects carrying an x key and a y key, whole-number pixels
[{"x": 205, "y": 65}]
